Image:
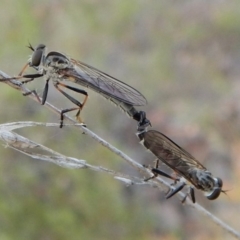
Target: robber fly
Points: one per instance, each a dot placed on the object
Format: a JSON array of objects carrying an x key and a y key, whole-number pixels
[
  {"x": 57, "y": 67},
  {"x": 183, "y": 163}
]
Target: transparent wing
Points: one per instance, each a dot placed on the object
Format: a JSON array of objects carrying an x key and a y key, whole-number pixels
[
  {"x": 104, "y": 84},
  {"x": 169, "y": 152}
]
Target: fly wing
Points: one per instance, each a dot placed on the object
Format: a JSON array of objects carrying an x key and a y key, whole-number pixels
[
  {"x": 104, "y": 84},
  {"x": 170, "y": 153}
]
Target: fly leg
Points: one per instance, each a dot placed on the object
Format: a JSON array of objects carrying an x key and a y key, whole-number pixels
[
  {"x": 157, "y": 172},
  {"x": 31, "y": 77},
  {"x": 176, "y": 190},
  {"x": 25, "y": 79},
  {"x": 73, "y": 100},
  {"x": 23, "y": 69},
  {"x": 191, "y": 194}
]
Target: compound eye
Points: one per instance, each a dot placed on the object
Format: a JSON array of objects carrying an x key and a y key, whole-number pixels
[
  {"x": 37, "y": 55},
  {"x": 217, "y": 189}
]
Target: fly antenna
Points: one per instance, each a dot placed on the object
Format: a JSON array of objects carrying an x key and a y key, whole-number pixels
[
  {"x": 30, "y": 46},
  {"x": 225, "y": 191}
]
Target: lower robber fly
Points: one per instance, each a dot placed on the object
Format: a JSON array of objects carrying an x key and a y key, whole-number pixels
[
  {"x": 57, "y": 67},
  {"x": 183, "y": 163}
]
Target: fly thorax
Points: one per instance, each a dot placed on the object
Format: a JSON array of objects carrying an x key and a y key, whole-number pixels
[
  {"x": 203, "y": 179},
  {"x": 56, "y": 62}
]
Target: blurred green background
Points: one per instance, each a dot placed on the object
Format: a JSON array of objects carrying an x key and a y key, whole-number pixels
[{"x": 183, "y": 56}]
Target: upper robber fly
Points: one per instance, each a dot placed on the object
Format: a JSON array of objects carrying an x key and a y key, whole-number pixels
[
  {"x": 183, "y": 163},
  {"x": 57, "y": 67}
]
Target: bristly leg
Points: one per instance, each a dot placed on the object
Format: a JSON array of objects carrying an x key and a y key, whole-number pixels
[
  {"x": 45, "y": 92},
  {"x": 191, "y": 194},
  {"x": 156, "y": 171},
  {"x": 34, "y": 93},
  {"x": 174, "y": 191},
  {"x": 73, "y": 100}
]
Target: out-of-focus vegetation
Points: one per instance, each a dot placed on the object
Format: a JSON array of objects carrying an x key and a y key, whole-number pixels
[{"x": 183, "y": 56}]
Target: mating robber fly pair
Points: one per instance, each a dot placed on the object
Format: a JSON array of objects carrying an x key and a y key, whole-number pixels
[{"x": 57, "y": 67}]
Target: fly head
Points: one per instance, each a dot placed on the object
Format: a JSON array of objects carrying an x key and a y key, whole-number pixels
[
  {"x": 205, "y": 181},
  {"x": 217, "y": 189}
]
